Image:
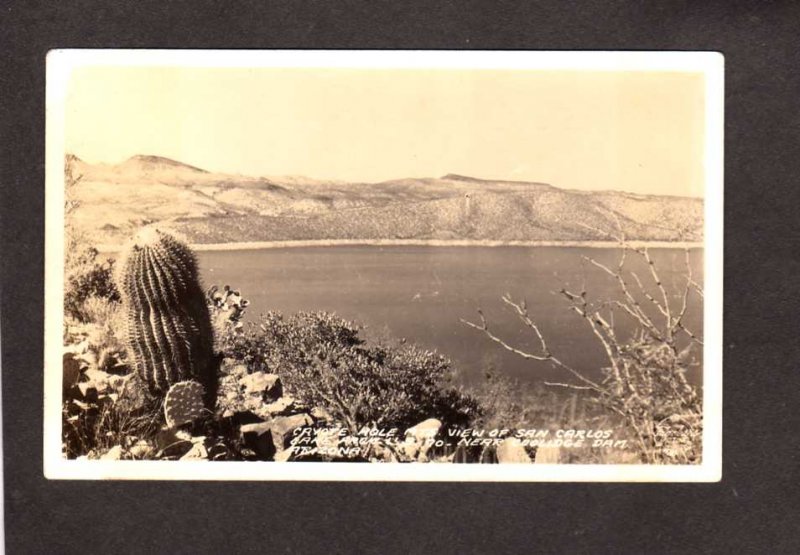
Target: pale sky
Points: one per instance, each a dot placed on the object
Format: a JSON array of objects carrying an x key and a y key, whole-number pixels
[{"x": 632, "y": 131}]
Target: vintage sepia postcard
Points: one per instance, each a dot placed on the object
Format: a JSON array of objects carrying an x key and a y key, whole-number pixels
[{"x": 384, "y": 265}]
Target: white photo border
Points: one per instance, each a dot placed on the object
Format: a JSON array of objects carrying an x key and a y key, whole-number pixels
[{"x": 61, "y": 63}]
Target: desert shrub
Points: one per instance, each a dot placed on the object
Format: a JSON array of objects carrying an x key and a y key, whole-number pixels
[
  {"x": 324, "y": 362},
  {"x": 100, "y": 334},
  {"x": 86, "y": 276}
]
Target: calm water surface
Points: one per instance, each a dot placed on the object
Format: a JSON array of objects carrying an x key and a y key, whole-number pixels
[{"x": 421, "y": 293}]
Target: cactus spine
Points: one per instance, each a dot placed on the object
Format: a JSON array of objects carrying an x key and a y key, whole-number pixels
[
  {"x": 183, "y": 403},
  {"x": 169, "y": 336}
]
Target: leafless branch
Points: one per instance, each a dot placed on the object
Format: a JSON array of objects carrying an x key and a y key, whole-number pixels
[
  {"x": 545, "y": 357},
  {"x": 569, "y": 386}
]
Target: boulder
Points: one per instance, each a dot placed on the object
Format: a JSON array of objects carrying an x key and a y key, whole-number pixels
[
  {"x": 267, "y": 387},
  {"x": 511, "y": 450},
  {"x": 427, "y": 429},
  {"x": 281, "y": 407},
  {"x": 113, "y": 454},
  {"x": 417, "y": 444},
  {"x": 258, "y": 438},
  {"x": 283, "y": 428},
  {"x": 71, "y": 370}
]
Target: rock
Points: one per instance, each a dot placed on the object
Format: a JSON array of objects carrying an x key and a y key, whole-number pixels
[
  {"x": 236, "y": 419},
  {"x": 71, "y": 371},
  {"x": 116, "y": 382},
  {"x": 140, "y": 450},
  {"x": 108, "y": 360},
  {"x": 231, "y": 395},
  {"x": 198, "y": 452},
  {"x": 381, "y": 453},
  {"x": 547, "y": 454},
  {"x": 113, "y": 454},
  {"x": 417, "y": 444},
  {"x": 238, "y": 370},
  {"x": 511, "y": 450},
  {"x": 427, "y": 429},
  {"x": 173, "y": 443},
  {"x": 281, "y": 407},
  {"x": 218, "y": 452},
  {"x": 283, "y": 428},
  {"x": 99, "y": 379},
  {"x": 267, "y": 386},
  {"x": 258, "y": 438},
  {"x": 321, "y": 415},
  {"x": 252, "y": 404},
  {"x": 84, "y": 391},
  {"x": 274, "y": 436},
  {"x": 85, "y": 407}
]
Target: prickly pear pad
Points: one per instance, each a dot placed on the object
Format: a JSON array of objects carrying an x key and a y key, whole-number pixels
[{"x": 183, "y": 403}]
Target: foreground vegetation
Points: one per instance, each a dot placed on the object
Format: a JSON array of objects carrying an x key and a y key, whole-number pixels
[
  {"x": 326, "y": 365},
  {"x": 323, "y": 362}
]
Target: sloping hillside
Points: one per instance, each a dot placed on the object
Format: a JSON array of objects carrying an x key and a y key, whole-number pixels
[{"x": 206, "y": 207}]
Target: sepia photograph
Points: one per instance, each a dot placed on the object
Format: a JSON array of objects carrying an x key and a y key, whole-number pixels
[{"x": 383, "y": 265}]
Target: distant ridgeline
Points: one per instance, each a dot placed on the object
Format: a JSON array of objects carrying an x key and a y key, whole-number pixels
[{"x": 206, "y": 207}]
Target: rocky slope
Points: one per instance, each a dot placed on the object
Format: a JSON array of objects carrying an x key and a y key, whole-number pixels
[{"x": 206, "y": 207}]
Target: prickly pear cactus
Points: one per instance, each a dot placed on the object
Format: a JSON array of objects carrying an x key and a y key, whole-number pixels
[
  {"x": 169, "y": 335},
  {"x": 183, "y": 403}
]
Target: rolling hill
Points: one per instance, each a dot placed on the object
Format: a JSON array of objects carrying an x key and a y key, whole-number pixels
[{"x": 113, "y": 201}]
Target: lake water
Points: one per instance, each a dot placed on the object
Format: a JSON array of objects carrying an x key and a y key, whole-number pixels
[{"x": 421, "y": 293}]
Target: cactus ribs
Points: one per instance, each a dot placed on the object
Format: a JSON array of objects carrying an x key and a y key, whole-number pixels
[{"x": 169, "y": 333}]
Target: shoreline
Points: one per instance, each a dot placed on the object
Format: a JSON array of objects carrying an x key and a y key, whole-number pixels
[{"x": 260, "y": 245}]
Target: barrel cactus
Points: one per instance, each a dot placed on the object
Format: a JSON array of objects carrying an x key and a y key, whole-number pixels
[{"x": 169, "y": 335}]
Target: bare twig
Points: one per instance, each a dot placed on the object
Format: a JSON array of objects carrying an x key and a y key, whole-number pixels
[
  {"x": 569, "y": 385},
  {"x": 645, "y": 376},
  {"x": 546, "y": 357}
]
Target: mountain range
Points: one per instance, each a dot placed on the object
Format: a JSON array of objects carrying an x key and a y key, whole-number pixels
[{"x": 114, "y": 200}]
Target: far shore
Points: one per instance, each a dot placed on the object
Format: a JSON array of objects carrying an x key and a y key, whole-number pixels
[{"x": 257, "y": 245}]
